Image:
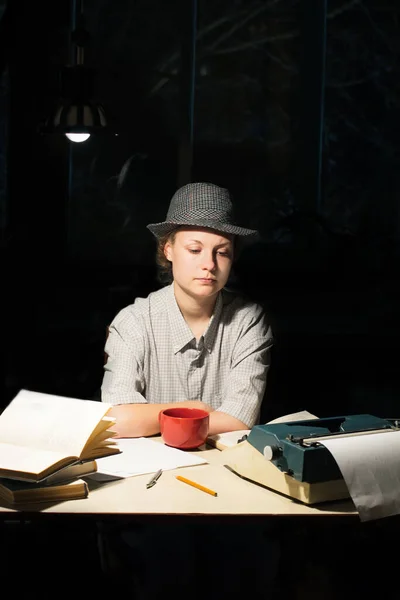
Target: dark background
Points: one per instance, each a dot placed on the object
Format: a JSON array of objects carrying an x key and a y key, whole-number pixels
[{"x": 291, "y": 104}]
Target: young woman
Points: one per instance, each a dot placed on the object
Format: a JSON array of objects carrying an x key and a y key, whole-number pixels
[{"x": 192, "y": 342}]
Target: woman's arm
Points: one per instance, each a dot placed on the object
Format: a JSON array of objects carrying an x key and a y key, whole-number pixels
[
  {"x": 123, "y": 379},
  {"x": 141, "y": 420},
  {"x": 221, "y": 422},
  {"x": 245, "y": 385}
]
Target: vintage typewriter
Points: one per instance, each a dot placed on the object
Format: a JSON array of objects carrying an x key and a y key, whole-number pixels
[{"x": 290, "y": 458}]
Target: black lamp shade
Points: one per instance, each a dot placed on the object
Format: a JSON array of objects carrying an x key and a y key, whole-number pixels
[
  {"x": 78, "y": 117},
  {"x": 76, "y": 111}
]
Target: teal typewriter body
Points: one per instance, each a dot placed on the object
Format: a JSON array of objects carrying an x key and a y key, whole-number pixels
[{"x": 297, "y": 447}]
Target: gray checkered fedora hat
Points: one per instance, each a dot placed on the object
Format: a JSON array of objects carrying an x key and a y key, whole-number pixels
[{"x": 203, "y": 205}]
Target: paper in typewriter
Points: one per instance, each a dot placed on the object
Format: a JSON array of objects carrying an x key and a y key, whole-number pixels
[{"x": 370, "y": 465}]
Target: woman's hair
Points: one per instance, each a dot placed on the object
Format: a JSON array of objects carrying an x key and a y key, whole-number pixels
[{"x": 164, "y": 265}]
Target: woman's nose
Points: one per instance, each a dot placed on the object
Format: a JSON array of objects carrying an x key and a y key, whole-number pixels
[{"x": 208, "y": 262}]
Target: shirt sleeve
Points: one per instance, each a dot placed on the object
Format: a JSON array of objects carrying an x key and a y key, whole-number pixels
[
  {"x": 123, "y": 381},
  {"x": 246, "y": 383}
]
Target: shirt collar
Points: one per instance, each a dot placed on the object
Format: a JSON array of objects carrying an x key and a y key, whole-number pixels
[{"x": 181, "y": 333}]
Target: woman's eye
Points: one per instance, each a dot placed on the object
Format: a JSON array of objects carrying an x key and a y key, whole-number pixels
[
  {"x": 227, "y": 254},
  {"x": 194, "y": 250}
]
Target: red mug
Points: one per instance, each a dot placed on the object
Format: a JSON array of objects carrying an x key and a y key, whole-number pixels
[{"x": 184, "y": 428}]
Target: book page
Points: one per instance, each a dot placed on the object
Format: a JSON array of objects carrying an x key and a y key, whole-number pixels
[
  {"x": 37, "y": 420},
  {"x": 18, "y": 461},
  {"x": 100, "y": 438}
]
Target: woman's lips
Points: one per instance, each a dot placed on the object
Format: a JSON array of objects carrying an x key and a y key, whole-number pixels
[{"x": 205, "y": 280}]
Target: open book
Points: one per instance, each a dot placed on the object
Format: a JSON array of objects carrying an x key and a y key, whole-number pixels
[
  {"x": 16, "y": 492},
  {"x": 41, "y": 434},
  {"x": 231, "y": 438}
]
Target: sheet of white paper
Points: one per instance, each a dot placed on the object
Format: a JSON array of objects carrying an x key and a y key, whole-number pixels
[
  {"x": 370, "y": 465},
  {"x": 302, "y": 415},
  {"x": 229, "y": 438},
  {"x": 140, "y": 456}
]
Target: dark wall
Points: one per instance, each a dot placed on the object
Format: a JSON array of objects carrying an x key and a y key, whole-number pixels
[{"x": 77, "y": 249}]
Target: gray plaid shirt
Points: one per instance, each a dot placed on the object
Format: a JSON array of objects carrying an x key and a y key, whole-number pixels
[{"x": 154, "y": 357}]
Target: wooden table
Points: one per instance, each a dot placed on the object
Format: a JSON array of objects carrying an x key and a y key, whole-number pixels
[{"x": 170, "y": 497}]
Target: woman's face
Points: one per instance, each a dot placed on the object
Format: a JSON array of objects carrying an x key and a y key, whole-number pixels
[{"x": 201, "y": 260}]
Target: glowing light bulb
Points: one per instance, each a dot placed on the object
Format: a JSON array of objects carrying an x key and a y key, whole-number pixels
[{"x": 78, "y": 137}]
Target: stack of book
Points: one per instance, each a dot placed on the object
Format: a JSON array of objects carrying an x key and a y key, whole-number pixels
[{"x": 48, "y": 444}]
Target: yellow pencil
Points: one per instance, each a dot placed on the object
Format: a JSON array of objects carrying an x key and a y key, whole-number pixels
[{"x": 196, "y": 485}]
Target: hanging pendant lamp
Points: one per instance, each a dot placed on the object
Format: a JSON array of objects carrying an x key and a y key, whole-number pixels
[{"x": 77, "y": 114}]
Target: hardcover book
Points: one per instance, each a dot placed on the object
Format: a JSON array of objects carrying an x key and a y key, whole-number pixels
[
  {"x": 42, "y": 433},
  {"x": 16, "y": 492}
]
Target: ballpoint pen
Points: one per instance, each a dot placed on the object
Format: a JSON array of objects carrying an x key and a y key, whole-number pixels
[{"x": 154, "y": 479}]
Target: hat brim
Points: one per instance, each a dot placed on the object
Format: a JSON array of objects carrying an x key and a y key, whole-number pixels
[{"x": 166, "y": 227}]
